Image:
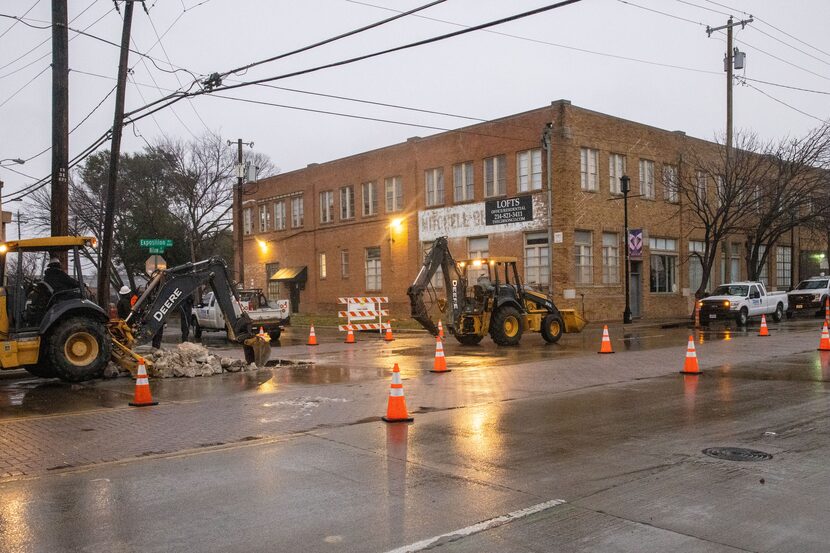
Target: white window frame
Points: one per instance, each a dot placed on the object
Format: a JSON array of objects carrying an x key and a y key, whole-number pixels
[
  {"x": 701, "y": 186},
  {"x": 666, "y": 250},
  {"x": 783, "y": 267},
  {"x": 610, "y": 258},
  {"x": 393, "y": 192},
  {"x": 297, "y": 212},
  {"x": 247, "y": 221},
  {"x": 616, "y": 169},
  {"x": 529, "y": 170},
  {"x": 584, "y": 257},
  {"x": 495, "y": 176},
  {"x": 322, "y": 266},
  {"x": 463, "y": 182},
  {"x": 263, "y": 218},
  {"x": 279, "y": 215},
  {"x": 647, "y": 178},
  {"x": 344, "y": 264},
  {"x": 588, "y": 163},
  {"x": 327, "y": 206},
  {"x": 369, "y": 193},
  {"x": 434, "y": 186},
  {"x": 671, "y": 191},
  {"x": 537, "y": 260},
  {"x": 373, "y": 270},
  {"x": 347, "y": 203}
]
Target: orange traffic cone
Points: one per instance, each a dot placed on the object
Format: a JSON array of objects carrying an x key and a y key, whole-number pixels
[
  {"x": 824, "y": 343},
  {"x": 349, "y": 336},
  {"x": 396, "y": 408},
  {"x": 388, "y": 336},
  {"x": 764, "y": 330},
  {"x": 605, "y": 346},
  {"x": 440, "y": 329},
  {"x": 827, "y": 310},
  {"x": 312, "y": 338},
  {"x": 142, "y": 397},
  {"x": 440, "y": 364},
  {"x": 691, "y": 366}
]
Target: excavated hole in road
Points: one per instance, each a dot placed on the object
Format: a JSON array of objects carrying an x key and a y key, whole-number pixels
[{"x": 736, "y": 454}]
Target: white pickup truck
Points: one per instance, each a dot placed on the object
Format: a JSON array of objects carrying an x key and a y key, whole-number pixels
[
  {"x": 271, "y": 316},
  {"x": 809, "y": 296},
  {"x": 739, "y": 301}
]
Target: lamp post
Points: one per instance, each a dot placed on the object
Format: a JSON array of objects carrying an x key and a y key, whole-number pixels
[{"x": 625, "y": 185}]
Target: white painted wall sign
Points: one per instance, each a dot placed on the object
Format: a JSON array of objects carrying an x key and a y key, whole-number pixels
[{"x": 465, "y": 220}]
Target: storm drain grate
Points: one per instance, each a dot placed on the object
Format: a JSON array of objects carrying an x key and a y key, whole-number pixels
[{"x": 736, "y": 454}]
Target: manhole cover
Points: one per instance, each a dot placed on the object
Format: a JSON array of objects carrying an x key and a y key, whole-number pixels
[{"x": 736, "y": 454}]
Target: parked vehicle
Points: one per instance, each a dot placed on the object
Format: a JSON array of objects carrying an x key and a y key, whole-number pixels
[
  {"x": 809, "y": 296},
  {"x": 739, "y": 301},
  {"x": 271, "y": 316}
]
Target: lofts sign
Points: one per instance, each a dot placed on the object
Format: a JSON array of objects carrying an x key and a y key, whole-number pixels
[{"x": 481, "y": 218}]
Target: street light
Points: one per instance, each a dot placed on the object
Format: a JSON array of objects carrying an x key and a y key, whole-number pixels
[
  {"x": 16, "y": 160},
  {"x": 625, "y": 185}
]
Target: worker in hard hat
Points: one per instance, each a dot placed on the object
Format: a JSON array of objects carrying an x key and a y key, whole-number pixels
[
  {"x": 57, "y": 278},
  {"x": 124, "y": 305}
]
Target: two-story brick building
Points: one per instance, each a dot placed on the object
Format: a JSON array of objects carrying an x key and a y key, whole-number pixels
[{"x": 359, "y": 225}]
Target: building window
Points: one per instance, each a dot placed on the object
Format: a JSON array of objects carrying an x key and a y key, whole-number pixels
[
  {"x": 279, "y": 215},
  {"x": 763, "y": 273},
  {"x": 263, "y": 218},
  {"x": 700, "y": 187},
  {"x": 670, "y": 183},
  {"x": 322, "y": 266},
  {"x": 297, "y": 212},
  {"x": 369, "y": 191},
  {"x": 272, "y": 292},
  {"x": 616, "y": 169},
  {"x": 373, "y": 269},
  {"x": 344, "y": 263},
  {"x": 247, "y": 222},
  {"x": 394, "y": 194},
  {"x": 529, "y": 170},
  {"x": 434, "y": 182},
  {"x": 647, "y": 178},
  {"x": 346, "y": 203},
  {"x": 478, "y": 247},
  {"x": 462, "y": 176},
  {"x": 537, "y": 260},
  {"x": 495, "y": 176},
  {"x": 588, "y": 161},
  {"x": 610, "y": 258},
  {"x": 696, "y": 248},
  {"x": 735, "y": 262},
  {"x": 663, "y": 264},
  {"x": 583, "y": 257},
  {"x": 783, "y": 267},
  {"x": 326, "y": 206}
]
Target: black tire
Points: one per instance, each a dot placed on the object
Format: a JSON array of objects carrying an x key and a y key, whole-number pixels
[
  {"x": 197, "y": 330},
  {"x": 778, "y": 316},
  {"x": 506, "y": 326},
  {"x": 275, "y": 334},
  {"x": 469, "y": 339},
  {"x": 79, "y": 349},
  {"x": 552, "y": 328},
  {"x": 742, "y": 317}
]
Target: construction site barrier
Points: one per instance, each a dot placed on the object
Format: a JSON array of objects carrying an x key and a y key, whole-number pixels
[{"x": 363, "y": 313}]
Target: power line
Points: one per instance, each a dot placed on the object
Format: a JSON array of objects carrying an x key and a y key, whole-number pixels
[
  {"x": 787, "y": 86},
  {"x": 782, "y": 102},
  {"x": 16, "y": 22},
  {"x": 33, "y": 79},
  {"x": 662, "y": 13}
]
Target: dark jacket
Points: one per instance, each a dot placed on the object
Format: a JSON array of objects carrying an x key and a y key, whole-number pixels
[
  {"x": 123, "y": 306},
  {"x": 59, "y": 280}
]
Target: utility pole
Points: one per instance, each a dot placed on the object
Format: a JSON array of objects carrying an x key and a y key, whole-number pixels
[
  {"x": 729, "y": 62},
  {"x": 547, "y": 144},
  {"x": 115, "y": 153},
  {"x": 60, "y": 123},
  {"x": 625, "y": 185},
  {"x": 240, "y": 176}
]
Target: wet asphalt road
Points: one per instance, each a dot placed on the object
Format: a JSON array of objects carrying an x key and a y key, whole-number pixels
[{"x": 618, "y": 438}]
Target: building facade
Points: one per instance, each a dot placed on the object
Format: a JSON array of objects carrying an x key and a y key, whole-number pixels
[{"x": 360, "y": 225}]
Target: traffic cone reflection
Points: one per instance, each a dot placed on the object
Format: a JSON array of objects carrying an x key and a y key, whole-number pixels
[
  {"x": 605, "y": 346},
  {"x": 388, "y": 336},
  {"x": 142, "y": 397},
  {"x": 827, "y": 310},
  {"x": 440, "y": 363},
  {"x": 691, "y": 366},
  {"x": 350, "y": 336},
  {"x": 764, "y": 330},
  {"x": 824, "y": 343},
  {"x": 312, "y": 338},
  {"x": 396, "y": 407}
]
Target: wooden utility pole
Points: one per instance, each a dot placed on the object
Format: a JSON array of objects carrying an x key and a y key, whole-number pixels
[
  {"x": 240, "y": 181},
  {"x": 115, "y": 153},
  {"x": 60, "y": 123}
]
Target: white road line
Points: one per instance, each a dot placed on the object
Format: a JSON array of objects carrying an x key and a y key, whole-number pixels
[{"x": 478, "y": 527}]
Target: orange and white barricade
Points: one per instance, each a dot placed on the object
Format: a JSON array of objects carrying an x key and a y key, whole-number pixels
[{"x": 364, "y": 313}]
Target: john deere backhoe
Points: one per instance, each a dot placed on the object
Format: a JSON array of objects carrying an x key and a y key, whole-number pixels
[
  {"x": 65, "y": 334},
  {"x": 497, "y": 304}
]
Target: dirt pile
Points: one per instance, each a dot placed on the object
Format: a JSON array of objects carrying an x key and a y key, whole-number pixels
[{"x": 188, "y": 360}]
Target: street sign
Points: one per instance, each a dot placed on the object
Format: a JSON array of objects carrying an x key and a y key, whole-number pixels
[
  {"x": 155, "y": 243},
  {"x": 156, "y": 250},
  {"x": 155, "y": 263}
]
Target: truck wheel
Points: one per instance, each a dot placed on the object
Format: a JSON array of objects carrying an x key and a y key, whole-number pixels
[
  {"x": 197, "y": 330},
  {"x": 552, "y": 328},
  {"x": 275, "y": 334},
  {"x": 506, "y": 328},
  {"x": 743, "y": 317},
  {"x": 469, "y": 339},
  {"x": 778, "y": 316},
  {"x": 79, "y": 349}
]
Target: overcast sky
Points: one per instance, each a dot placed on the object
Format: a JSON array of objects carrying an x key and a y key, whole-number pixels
[{"x": 480, "y": 75}]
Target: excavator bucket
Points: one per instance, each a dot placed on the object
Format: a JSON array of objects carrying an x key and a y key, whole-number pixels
[
  {"x": 573, "y": 321},
  {"x": 257, "y": 349}
]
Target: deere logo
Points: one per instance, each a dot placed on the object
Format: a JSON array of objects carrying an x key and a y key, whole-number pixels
[{"x": 159, "y": 315}]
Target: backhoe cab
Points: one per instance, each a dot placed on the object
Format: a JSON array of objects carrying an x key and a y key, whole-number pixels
[
  {"x": 486, "y": 296},
  {"x": 48, "y": 332}
]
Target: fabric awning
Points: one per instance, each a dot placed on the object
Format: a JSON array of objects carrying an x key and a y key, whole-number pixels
[{"x": 290, "y": 274}]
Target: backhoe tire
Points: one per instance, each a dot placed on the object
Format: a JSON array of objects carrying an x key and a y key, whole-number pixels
[
  {"x": 79, "y": 349},
  {"x": 552, "y": 328},
  {"x": 506, "y": 327},
  {"x": 469, "y": 339}
]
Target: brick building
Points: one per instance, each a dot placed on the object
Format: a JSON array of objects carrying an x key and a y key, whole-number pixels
[{"x": 359, "y": 225}]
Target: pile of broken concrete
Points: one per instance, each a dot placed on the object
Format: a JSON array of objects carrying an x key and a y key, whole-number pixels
[{"x": 187, "y": 360}]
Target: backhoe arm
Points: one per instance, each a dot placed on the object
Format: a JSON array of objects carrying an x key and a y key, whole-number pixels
[{"x": 454, "y": 283}]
